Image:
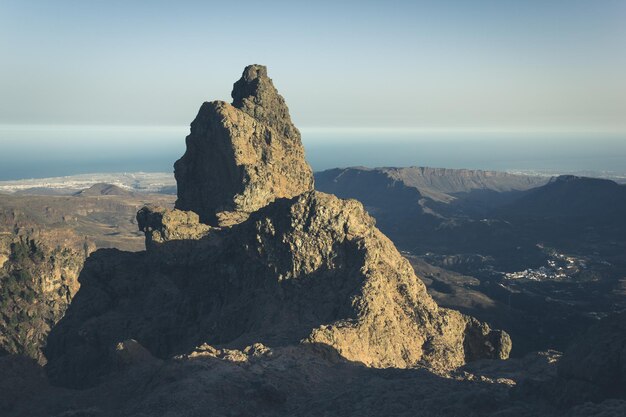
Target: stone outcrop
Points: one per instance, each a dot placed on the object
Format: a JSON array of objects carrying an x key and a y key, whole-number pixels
[
  {"x": 161, "y": 225},
  {"x": 286, "y": 265},
  {"x": 241, "y": 157}
]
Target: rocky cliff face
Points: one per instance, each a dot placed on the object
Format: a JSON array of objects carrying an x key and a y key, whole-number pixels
[
  {"x": 286, "y": 266},
  {"x": 38, "y": 278},
  {"x": 312, "y": 268},
  {"x": 241, "y": 157}
]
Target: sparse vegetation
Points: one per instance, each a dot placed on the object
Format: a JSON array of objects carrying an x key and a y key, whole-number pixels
[
  {"x": 28, "y": 306},
  {"x": 26, "y": 249}
]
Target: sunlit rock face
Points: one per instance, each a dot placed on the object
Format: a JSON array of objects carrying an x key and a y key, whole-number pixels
[{"x": 241, "y": 156}]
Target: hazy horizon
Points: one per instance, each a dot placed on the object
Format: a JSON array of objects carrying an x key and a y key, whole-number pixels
[
  {"x": 50, "y": 151},
  {"x": 369, "y": 64},
  {"x": 90, "y": 86}
]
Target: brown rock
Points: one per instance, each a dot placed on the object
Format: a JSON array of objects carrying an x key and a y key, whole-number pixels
[
  {"x": 161, "y": 225},
  {"x": 281, "y": 382},
  {"x": 310, "y": 269},
  {"x": 313, "y": 268},
  {"x": 243, "y": 156}
]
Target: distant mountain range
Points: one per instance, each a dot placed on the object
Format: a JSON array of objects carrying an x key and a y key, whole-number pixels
[
  {"x": 398, "y": 188},
  {"x": 411, "y": 203},
  {"x": 430, "y": 181},
  {"x": 569, "y": 196}
]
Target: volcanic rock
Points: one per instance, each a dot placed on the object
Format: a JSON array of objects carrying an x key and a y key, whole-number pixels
[
  {"x": 241, "y": 157},
  {"x": 161, "y": 225},
  {"x": 286, "y": 266}
]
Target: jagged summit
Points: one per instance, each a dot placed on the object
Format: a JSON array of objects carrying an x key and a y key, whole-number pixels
[
  {"x": 256, "y": 95},
  {"x": 243, "y": 156}
]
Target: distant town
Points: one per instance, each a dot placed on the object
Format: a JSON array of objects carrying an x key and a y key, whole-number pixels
[{"x": 560, "y": 267}]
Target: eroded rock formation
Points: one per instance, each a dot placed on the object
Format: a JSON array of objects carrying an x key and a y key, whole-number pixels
[
  {"x": 241, "y": 157},
  {"x": 286, "y": 266}
]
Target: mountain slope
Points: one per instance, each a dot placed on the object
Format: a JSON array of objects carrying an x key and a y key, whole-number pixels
[
  {"x": 38, "y": 278},
  {"x": 572, "y": 197},
  {"x": 104, "y": 189},
  {"x": 438, "y": 184}
]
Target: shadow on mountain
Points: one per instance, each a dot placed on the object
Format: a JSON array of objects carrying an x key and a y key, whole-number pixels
[
  {"x": 310, "y": 268},
  {"x": 304, "y": 380},
  {"x": 218, "y": 298},
  {"x": 314, "y": 379}
]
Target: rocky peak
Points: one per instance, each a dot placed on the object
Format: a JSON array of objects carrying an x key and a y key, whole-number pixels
[
  {"x": 256, "y": 95},
  {"x": 243, "y": 156}
]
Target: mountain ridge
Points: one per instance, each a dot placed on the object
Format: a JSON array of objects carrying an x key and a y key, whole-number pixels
[{"x": 440, "y": 184}]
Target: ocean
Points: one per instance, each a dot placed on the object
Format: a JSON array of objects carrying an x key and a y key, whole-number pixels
[{"x": 51, "y": 151}]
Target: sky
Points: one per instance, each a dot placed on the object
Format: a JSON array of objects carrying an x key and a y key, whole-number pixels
[{"x": 500, "y": 64}]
